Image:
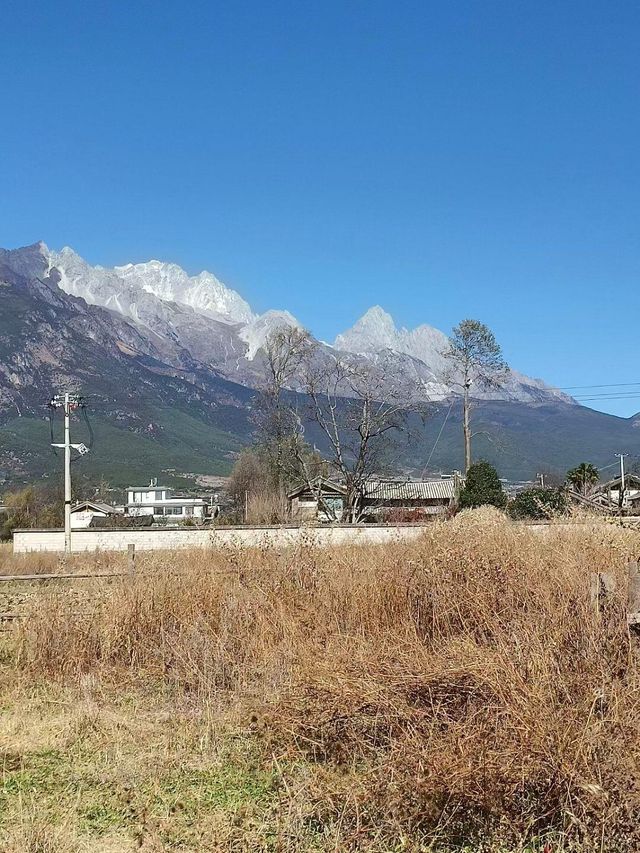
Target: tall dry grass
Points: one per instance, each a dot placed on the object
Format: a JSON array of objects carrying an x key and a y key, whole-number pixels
[
  {"x": 266, "y": 506},
  {"x": 463, "y": 685}
]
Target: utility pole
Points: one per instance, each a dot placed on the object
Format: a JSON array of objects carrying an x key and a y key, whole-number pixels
[
  {"x": 621, "y": 457},
  {"x": 68, "y": 403},
  {"x": 466, "y": 428}
]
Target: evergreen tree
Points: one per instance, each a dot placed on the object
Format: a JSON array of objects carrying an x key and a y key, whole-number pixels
[
  {"x": 476, "y": 361},
  {"x": 482, "y": 487}
]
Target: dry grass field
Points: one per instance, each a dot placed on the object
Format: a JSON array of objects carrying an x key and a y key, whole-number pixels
[{"x": 457, "y": 693}]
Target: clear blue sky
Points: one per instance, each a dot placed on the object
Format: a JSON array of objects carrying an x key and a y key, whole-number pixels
[{"x": 442, "y": 159}]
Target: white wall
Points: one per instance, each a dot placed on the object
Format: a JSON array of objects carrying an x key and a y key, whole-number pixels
[
  {"x": 83, "y": 519},
  {"x": 244, "y": 537}
]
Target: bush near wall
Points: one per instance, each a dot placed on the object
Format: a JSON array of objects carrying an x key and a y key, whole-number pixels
[{"x": 538, "y": 503}]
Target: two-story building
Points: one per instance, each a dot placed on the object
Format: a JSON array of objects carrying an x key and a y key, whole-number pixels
[{"x": 161, "y": 502}]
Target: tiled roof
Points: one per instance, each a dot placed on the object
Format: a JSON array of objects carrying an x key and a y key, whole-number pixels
[
  {"x": 411, "y": 490},
  {"x": 389, "y": 490}
]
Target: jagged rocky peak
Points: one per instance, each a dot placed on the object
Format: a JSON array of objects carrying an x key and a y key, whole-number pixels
[
  {"x": 118, "y": 287},
  {"x": 376, "y": 330},
  {"x": 30, "y": 261},
  {"x": 373, "y": 331},
  {"x": 199, "y": 318}
]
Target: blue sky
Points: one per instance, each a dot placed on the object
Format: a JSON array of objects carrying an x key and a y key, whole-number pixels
[{"x": 444, "y": 160}]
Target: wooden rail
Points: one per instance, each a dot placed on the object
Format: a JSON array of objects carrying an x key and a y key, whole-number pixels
[{"x": 61, "y": 576}]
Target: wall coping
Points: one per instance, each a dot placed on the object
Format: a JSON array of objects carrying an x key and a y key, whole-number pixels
[{"x": 220, "y": 527}]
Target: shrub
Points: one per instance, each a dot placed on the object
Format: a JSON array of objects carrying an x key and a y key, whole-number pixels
[
  {"x": 31, "y": 507},
  {"x": 538, "y": 503}
]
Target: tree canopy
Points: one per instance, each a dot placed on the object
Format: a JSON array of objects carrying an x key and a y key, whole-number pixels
[
  {"x": 583, "y": 477},
  {"x": 475, "y": 355}
]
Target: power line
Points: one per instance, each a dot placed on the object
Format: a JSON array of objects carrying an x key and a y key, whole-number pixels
[
  {"x": 444, "y": 423},
  {"x": 606, "y": 385},
  {"x": 610, "y": 397}
]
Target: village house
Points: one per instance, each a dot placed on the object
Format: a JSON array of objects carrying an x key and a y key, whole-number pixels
[
  {"x": 162, "y": 503},
  {"x": 417, "y": 499},
  {"x": 320, "y": 500},
  {"x": 609, "y": 492},
  {"x": 323, "y": 499},
  {"x": 83, "y": 513}
]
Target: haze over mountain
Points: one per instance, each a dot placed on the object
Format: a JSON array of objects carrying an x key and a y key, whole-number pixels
[{"x": 172, "y": 362}]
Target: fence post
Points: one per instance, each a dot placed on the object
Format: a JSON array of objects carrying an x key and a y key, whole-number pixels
[
  {"x": 633, "y": 594},
  {"x": 131, "y": 551}
]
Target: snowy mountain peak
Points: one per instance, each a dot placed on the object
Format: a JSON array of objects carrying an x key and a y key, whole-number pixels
[
  {"x": 378, "y": 316},
  {"x": 197, "y": 318},
  {"x": 255, "y": 334},
  {"x": 375, "y": 330}
]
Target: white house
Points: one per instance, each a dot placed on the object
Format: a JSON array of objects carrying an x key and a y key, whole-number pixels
[
  {"x": 160, "y": 502},
  {"x": 82, "y": 513}
]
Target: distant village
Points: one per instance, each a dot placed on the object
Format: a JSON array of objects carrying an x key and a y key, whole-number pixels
[{"x": 321, "y": 501}]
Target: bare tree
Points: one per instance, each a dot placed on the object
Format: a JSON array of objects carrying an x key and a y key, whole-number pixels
[
  {"x": 285, "y": 350},
  {"x": 359, "y": 417},
  {"x": 287, "y": 353},
  {"x": 346, "y": 402},
  {"x": 476, "y": 359}
]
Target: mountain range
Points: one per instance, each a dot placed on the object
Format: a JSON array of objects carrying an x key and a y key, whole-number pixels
[
  {"x": 218, "y": 328},
  {"x": 172, "y": 362}
]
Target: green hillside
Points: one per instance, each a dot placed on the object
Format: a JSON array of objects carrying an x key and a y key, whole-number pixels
[
  {"x": 177, "y": 443},
  {"x": 180, "y": 444}
]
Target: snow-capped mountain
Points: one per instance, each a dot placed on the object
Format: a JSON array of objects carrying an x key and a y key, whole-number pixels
[
  {"x": 198, "y": 319},
  {"x": 376, "y": 331},
  {"x": 171, "y": 369}
]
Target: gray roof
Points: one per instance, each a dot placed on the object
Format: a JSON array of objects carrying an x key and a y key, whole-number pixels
[
  {"x": 98, "y": 506},
  {"x": 411, "y": 490},
  {"x": 631, "y": 481},
  {"x": 327, "y": 486},
  {"x": 389, "y": 490}
]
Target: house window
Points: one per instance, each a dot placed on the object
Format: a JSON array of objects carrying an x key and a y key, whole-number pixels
[
  {"x": 173, "y": 510},
  {"x": 188, "y": 510},
  {"x": 334, "y": 504}
]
